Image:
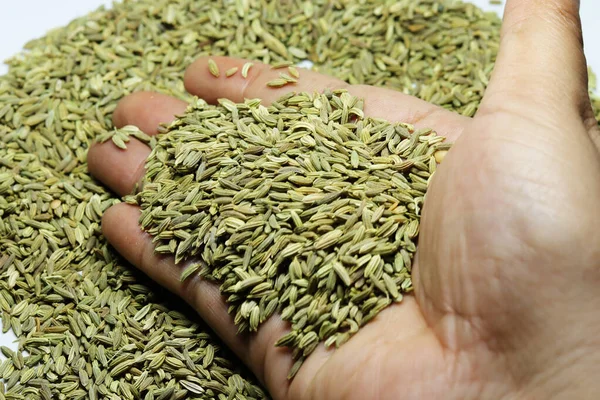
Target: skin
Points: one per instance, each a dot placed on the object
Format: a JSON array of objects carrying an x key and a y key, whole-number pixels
[{"x": 508, "y": 266}]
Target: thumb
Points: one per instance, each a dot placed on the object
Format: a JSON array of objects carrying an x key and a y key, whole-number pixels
[{"x": 541, "y": 60}]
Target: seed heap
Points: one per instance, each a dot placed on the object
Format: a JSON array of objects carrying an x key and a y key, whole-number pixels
[
  {"x": 304, "y": 207},
  {"x": 78, "y": 309}
]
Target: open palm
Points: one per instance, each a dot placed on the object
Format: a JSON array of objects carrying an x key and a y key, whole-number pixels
[{"x": 507, "y": 267}]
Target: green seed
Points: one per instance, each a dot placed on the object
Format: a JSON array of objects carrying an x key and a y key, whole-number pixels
[
  {"x": 231, "y": 71},
  {"x": 213, "y": 68},
  {"x": 246, "y": 68},
  {"x": 277, "y": 83}
]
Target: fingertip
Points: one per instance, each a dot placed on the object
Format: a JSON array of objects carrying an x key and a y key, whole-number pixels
[
  {"x": 120, "y": 226},
  {"x": 110, "y": 220},
  {"x": 147, "y": 110},
  {"x": 118, "y": 169},
  {"x": 540, "y": 61},
  {"x": 94, "y": 159}
]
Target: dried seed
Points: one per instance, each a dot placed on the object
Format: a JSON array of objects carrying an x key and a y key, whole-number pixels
[
  {"x": 294, "y": 72},
  {"x": 246, "y": 68},
  {"x": 213, "y": 68},
  {"x": 440, "y": 155},
  {"x": 277, "y": 83},
  {"x": 231, "y": 71}
]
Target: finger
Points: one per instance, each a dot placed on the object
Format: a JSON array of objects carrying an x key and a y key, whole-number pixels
[
  {"x": 118, "y": 169},
  {"x": 200, "y": 82},
  {"x": 147, "y": 110},
  {"x": 258, "y": 351},
  {"x": 378, "y": 102},
  {"x": 541, "y": 59}
]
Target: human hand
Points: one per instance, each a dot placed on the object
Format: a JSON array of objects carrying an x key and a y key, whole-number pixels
[{"x": 505, "y": 301}]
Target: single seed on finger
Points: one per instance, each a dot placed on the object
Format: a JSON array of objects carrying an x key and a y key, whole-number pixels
[
  {"x": 440, "y": 155},
  {"x": 246, "y": 68},
  {"x": 213, "y": 68},
  {"x": 277, "y": 83},
  {"x": 189, "y": 271},
  {"x": 231, "y": 71},
  {"x": 119, "y": 142},
  {"x": 294, "y": 71}
]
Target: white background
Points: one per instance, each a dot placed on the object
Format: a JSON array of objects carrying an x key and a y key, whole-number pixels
[{"x": 23, "y": 20}]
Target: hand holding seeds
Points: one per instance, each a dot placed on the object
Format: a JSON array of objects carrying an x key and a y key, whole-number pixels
[{"x": 505, "y": 283}]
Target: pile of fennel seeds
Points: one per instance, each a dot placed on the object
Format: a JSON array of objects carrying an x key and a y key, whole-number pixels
[{"x": 305, "y": 208}]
